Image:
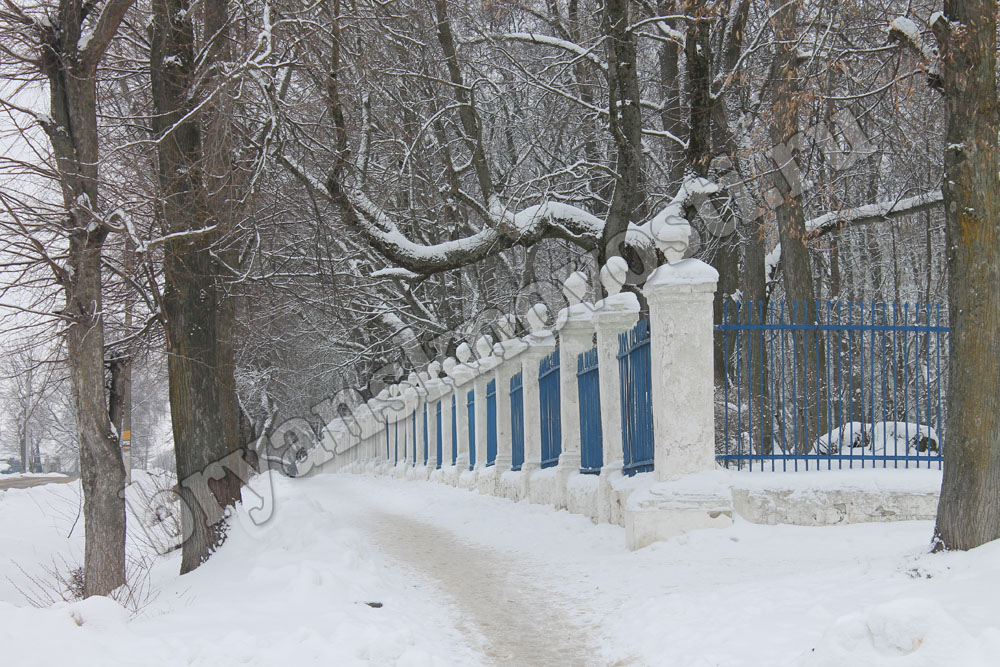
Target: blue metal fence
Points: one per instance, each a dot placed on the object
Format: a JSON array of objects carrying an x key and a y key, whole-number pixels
[
  {"x": 635, "y": 372},
  {"x": 589, "y": 389},
  {"x": 548, "y": 396},
  {"x": 454, "y": 431},
  {"x": 440, "y": 436},
  {"x": 838, "y": 385},
  {"x": 426, "y": 444},
  {"x": 471, "y": 403},
  {"x": 386, "y": 438},
  {"x": 413, "y": 444},
  {"x": 516, "y": 423},
  {"x": 491, "y": 422}
]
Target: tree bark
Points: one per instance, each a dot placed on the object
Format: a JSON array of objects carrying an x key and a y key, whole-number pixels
[
  {"x": 625, "y": 125},
  {"x": 796, "y": 267},
  {"x": 199, "y": 411},
  {"x": 72, "y": 131},
  {"x": 969, "y": 509}
]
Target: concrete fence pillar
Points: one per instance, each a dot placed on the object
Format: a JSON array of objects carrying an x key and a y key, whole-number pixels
[
  {"x": 447, "y": 443},
  {"x": 479, "y": 412},
  {"x": 433, "y": 401},
  {"x": 613, "y": 316},
  {"x": 575, "y": 337},
  {"x": 681, "y": 326},
  {"x": 538, "y": 344},
  {"x": 507, "y": 369}
]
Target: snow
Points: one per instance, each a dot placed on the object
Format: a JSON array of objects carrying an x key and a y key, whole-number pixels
[
  {"x": 907, "y": 27},
  {"x": 84, "y": 40},
  {"x": 880, "y": 438},
  {"x": 293, "y": 591},
  {"x": 452, "y": 567},
  {"x": 686, "y": 272}
]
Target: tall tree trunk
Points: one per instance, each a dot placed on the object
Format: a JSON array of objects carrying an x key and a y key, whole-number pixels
[
  {"x": 969, "y": 510},
  {"x": 72, "y": 77},
  {"x": 625, "y": 125},
  {"x": 796, "y": 267},
  {"x": 198, "y": 411}
]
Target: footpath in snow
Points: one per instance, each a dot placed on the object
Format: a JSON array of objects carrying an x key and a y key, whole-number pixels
[{"x": 465, "y": 579}]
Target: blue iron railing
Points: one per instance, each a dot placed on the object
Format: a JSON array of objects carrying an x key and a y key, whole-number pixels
[
  {"x": 471, "y": 404},
  {"x": 454, "y": 431},
  {"x": 491, "y": 422},
  {"x": 440, "y": 436},
  {"x": 413, "y": 445},
  {"x": 635, "y": 372},
  {"x": 516, "y": 423},
  {"x": 386, "y": 438},
  {"x": 588, "y": 386},
  {"x": 838, "y": 385},
  {"x": 548, "y": 396},
  {"x": 426, "y": 444}
]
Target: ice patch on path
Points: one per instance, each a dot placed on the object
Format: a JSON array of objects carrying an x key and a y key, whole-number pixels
[{"x": 910, "y": 632}]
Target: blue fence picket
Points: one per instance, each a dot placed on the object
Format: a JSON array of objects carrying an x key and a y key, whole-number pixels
[
  {"x": 635, "y": 372},
  {"x": 548, "y": 394},
  {"x": 387, "y": 453},
  {"x": 516, "y": 423},
  {"x": 491, "y": 422},
  {"x": 426, "y": 444},
  {"x": 413, "y": 443},
  {"x": 588, "y": 386},
  {"x": 471, "y": 403},
  {"x": 395, "y": 438},
  {"x": 837, "y": 385},
  {"x": 440, "y": 436}
]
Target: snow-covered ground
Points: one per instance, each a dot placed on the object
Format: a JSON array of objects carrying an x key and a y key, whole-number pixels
[{"x": 469, "y": 579}]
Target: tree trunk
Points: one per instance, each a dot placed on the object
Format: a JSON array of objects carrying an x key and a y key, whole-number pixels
[
  {"x": 969, "y": 510},
  {"x": 625, "y": 125},
  {"x": 72, "y": 74},
  {"x": 203, "y": 435},
  {"x": 796, "y": 266}
]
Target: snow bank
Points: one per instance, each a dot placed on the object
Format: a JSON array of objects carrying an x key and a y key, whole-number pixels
[
  {"x": 292, "y": 591},
  {"x": 914, "y": 632},
  {"x": 952, "y": 623}
]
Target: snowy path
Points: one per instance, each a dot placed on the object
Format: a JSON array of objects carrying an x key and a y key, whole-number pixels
[{"x": 496, "y": 597}]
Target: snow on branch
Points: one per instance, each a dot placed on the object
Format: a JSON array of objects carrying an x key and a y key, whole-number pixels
[
  {"x": 504, "y": 229},
  {"x": 545, "y": 40},
  {"x": 893, "y": 208},
  {"x": 905, "y": 31},
  {"x": 93, "y": 44}
]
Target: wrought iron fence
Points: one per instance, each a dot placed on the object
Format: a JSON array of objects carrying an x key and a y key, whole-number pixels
[
  {"x": 491, "y": 422},
  {"x": 516, "y": 423},
  {"x": 837, "y": 385},
  {"x": 548, "y": 394},
  {"x": 440, "y": 436},
  {"x": 588, "y": 386},
  {"x": 470, "y": 402},
  {"x": 454, "y": 431},
  {"x": 635, "y": 371}
]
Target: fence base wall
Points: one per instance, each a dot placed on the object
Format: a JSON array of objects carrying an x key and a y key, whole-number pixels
[
  {"x": 583, "y": 496},
  {"x": 652, "y": 511}
]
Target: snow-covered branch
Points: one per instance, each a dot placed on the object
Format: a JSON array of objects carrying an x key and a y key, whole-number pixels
[{"x": 892, "y": 208}]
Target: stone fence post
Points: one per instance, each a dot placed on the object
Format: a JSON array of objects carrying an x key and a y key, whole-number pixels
[{"x": 681, "y": 327}]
